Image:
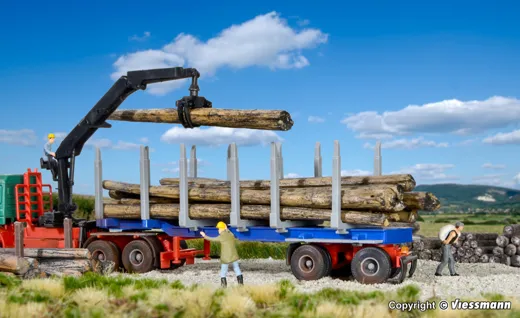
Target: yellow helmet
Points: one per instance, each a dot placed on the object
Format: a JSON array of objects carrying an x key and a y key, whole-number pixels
[
  {"x": 50, "y": 136},
  {"x": 221, "y": 225}
]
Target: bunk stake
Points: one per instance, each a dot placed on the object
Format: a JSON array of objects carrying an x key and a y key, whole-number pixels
[
  {"x": 193, "y": 162},
  {"x": 335, "y": 217},
  {"x": 377, "y": 160},
  {"x": 275, "y": 220},
  {"x": 184, "y": 217},
  {"x": 145, "y": 183},
  {"x": 317, "y": 160},
  {"x": 98, "y": 184},
  {"x": 234, "y": 177}
]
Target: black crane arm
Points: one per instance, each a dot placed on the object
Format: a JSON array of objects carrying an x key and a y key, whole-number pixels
[{"x": 96, "y": 118}]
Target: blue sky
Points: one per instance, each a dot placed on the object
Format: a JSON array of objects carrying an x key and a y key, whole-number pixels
[{"x": 436, "y": 83}]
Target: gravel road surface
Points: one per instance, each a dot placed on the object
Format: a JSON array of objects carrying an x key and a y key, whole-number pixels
[{"x": 474, "y": 280}]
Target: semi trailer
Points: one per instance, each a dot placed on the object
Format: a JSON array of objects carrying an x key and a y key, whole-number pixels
[{"x": 372, "y": 254}]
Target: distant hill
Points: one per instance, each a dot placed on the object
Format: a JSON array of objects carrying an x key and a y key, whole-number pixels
[{"x": 464, "y": 196}]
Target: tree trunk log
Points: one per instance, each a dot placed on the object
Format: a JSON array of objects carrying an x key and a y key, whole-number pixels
[
  {"x": 469, "y": 237},
  {"x": 251, "y": 212},
  {"x": 405, "y": 180},
  {"x": 461, "y": 251},
  {"x": 423, "y": 201},
  {"x": 458, "y": 243},
  {"x": 484, "y": 236},
  {"x": 63, "y": 253},
  {"x": 453, "y": 250},
  {"x": 510, "y": 250},
  {"x": 377, "y": 198},
  {"x": 515, "y": 260},
  {"x": 473, "y": 244},
  {"x": 484, "y": 258},
  {"x": 231, "y": 118},
  {"x": 479, "y": 251},
  {"x": 497, "y": 250},
  {"x": 462, "y": 237},
  {"x": 502, "y": 241},
  {"x": 59, "y": 266},
  {"x": 414, "y": 225},
  {"x": 425, "y": 254},
  {"x": 432, "y": 243},
  {"x": 418, "y": 245},
  {"x": 506, "y": 260},
  {"x": 12, "y": 264},
  {"x": 474, "y": 259},
  {"x": 512, "y": 230},
  {"x": 469, "y": 252},
  {"x": 486, "y": 243},
  {"x": 515, "y": 240},
  {"x": 436, "y": 255},
  {"x": 466, "y": 244},
  {"x": 494, "y": 259}
]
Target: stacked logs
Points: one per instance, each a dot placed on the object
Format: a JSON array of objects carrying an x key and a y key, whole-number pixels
[
  {"x": 45, "y": 262},
  {"x": 476, "y": 247},
  {"x": 374, "y": 200}
]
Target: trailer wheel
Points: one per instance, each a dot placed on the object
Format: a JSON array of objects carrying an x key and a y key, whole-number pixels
[
  {"x": 138, "y": 257},
  {"x": 308, "y": 262},
  {"x": 371, "y": 265},
  {"x": 327, "y": 258},
  {"x": 105, "y": 251}
]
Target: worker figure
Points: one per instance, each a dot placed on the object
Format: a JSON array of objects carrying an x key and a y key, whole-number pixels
[
  {"x": 48, "y": 155},
  {"x": 228, "y": 253},
  {"x": 447, "y": 255}
]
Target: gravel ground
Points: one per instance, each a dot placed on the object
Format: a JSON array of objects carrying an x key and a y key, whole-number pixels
[{"x": 474, "y": 280}]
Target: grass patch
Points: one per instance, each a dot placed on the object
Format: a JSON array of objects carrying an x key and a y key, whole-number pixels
[
  {"x": 247, "y": 250},
  {"x": 93, "y": 296}
]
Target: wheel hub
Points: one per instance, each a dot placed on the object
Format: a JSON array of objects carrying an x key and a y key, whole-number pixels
[
  {"x": 370, "y": 266},
  {"x": 306, "y": 264},
  {"x": 135, "y": 257},
  {"x": 99, "y": 255}
]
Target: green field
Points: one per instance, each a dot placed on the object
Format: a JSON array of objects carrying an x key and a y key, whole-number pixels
[
  {"x": 478, "y": 223},
  {"x": 93, "y": 295}
]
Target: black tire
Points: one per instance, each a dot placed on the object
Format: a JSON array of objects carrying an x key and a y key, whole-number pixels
[
  {"x": 308, "y": 262},
  {"x": 184, "y": 245},
  {"x": 371, "y": 265},
  {"x": 328, "y": 260},
  {"x": 138, "y": 257},
  {"x": 105, "y": 251}
]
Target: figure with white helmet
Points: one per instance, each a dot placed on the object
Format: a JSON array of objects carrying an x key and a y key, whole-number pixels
[
  {"x": 228, "y": 252},
  {"x": 449, "y": 234}
]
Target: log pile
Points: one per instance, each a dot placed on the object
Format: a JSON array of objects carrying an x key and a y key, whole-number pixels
[
  {"x": 45, "y": 262},
  {"x": 374, "y": 200},
  {"x": 476, "y": 247}
]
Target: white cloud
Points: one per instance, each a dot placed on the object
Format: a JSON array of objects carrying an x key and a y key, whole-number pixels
[
  {"x": 355, "y": 173},
  {"x": 292, "y": 175},
  {"x": 316, "y": 119},
  {"x": 448, "y": 116},
  {"x": 504, "y": 138},
  {"x": 428, "y": 171},
  {"x": 22, "y": 137},
  {"x": 492, "y": 166},
  {"x": 217, "y": 136},
  {"x": 517, "y": 178},
  {"x": 108, "y": 144},
  {"x": 467, "y": 142},
  {"x": 266, "y": 40},
  {"x": 409, "y": 144},
  {"x": 374, "y": 136},
  {"x": 136, "y": 37},
  {"x": 494, "y": 180},
  {"x": 171, "y": 170},
  {"x": 144, "y": 140},
  {"x": 303, "y": 22}
]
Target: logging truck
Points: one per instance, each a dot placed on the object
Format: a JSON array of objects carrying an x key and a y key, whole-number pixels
[{"x": 138, "y": 245}]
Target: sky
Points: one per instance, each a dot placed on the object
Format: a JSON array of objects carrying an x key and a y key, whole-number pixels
[{"x": 436, "y": 83}]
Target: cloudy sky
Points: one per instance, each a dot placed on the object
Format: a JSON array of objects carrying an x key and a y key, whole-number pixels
[{"x": 436, "y": 84}]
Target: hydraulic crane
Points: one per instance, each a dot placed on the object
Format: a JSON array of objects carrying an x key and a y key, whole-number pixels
[{"x": 73, "y": 143}]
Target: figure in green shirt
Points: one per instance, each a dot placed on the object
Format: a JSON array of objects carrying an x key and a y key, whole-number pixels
[{"x": 228, "y": 253}]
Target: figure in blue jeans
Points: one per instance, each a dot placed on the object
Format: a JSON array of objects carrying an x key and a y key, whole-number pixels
[{"x": 228, "y": 253}]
